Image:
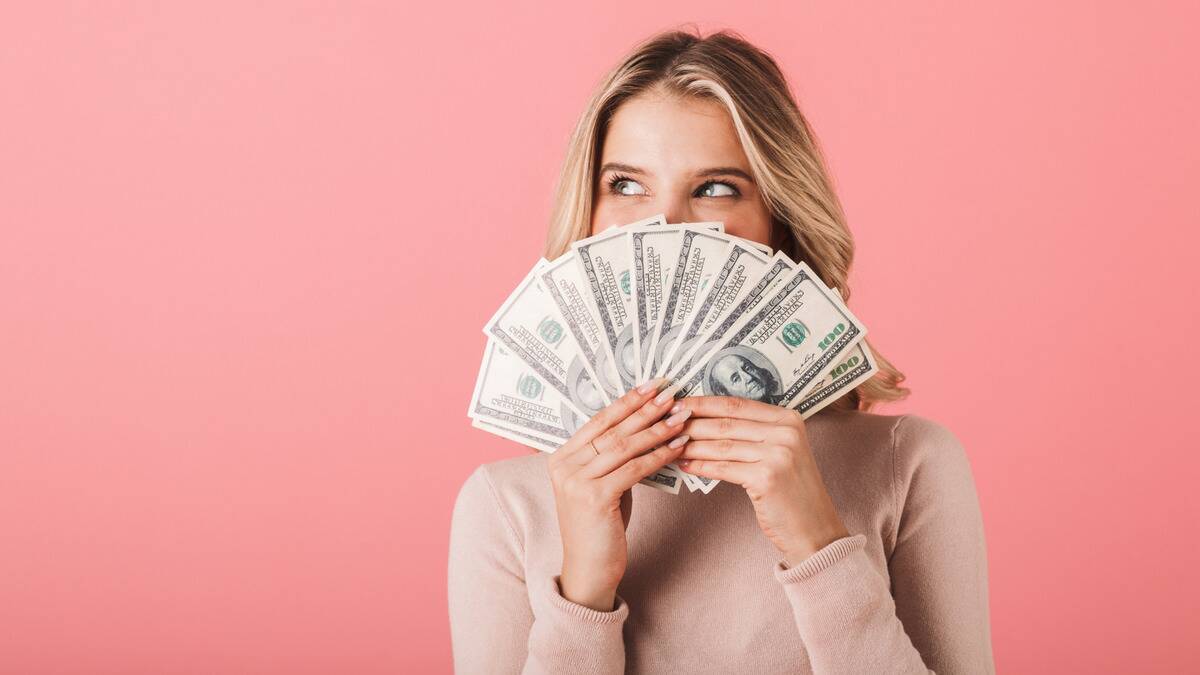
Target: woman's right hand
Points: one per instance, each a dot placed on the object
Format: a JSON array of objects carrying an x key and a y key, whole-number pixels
[{"x": 593, "y": 474}]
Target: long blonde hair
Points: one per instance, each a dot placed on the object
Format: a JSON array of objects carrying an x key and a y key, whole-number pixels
[{"x": 808, "y": 222}]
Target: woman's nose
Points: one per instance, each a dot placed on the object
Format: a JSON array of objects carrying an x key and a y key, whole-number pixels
[{"x": 679, "y": 211}]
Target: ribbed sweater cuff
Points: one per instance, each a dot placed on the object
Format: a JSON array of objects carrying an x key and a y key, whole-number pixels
[
  {"x": 826, "y": 557},
  {"x": 568, "y": 637},
  {"x": 553, "y": 594}
]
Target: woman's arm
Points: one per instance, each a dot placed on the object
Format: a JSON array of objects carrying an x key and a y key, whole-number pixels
[
  {"x": 935, "y": 615},
  {"x": 490, "y": 614},
  {"x": 844, "y": 609},
  {"x": 939, "y": 564},
  {"x": 502, "y": 623}
]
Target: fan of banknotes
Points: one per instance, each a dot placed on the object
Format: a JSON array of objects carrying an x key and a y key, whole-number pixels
[{"x": 713, "y": 313}]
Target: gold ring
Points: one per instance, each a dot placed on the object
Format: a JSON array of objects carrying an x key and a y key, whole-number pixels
[{"x": 593, "y": 446}]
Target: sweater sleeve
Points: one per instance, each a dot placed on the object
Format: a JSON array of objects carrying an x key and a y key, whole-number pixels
[
  {"x": 934, "y": 617},
  {"x": 501, "y": 622}
]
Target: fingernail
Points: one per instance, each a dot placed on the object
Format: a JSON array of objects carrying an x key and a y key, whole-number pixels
[
  {"x": 683, "y": 463},
  {"x": 647, "y": 386},
  {"x": 679, "y": 440},
  {"x": 665, "y": 396},
  {"x": 678, "y": 418},
  {"x": 676, "y": 408}
]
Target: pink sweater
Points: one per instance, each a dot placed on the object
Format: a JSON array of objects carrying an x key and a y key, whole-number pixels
[{"x": 706, "y": 592}]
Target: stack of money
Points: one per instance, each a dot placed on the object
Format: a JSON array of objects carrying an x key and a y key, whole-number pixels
[{"x": 713, "y": 313}]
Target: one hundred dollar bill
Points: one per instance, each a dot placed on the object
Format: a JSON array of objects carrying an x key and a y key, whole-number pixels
[
  {"x": 530, "y": 326},
  {"x": 605, "y": 264},
  {"x": 603, "y": 261},
  {"x": 846, "y": 374},
  {"x": 563, "y": 281},
  {"x": 825, "y": 390},
  {"x": 717, "y": 325},
  {"x": 744, "y": 278},
  {"x": 736, "y": 277},
  {"x": 509, "y": 393},
  {"x": 650, "y": 255},
  {"x": 652, "y": 263},
  {"x": 697, "y": 261},
  {"x": 842, "y": 378},
  {"x": 775, "y": 352}
]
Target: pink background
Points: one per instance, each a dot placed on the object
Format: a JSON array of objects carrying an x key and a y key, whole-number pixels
[{"x": 246, "y": 252}]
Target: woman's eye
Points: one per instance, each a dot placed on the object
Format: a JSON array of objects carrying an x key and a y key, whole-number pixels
[
  {"x": 628, "y": 187},
  {"x": 715, "y": 189}
]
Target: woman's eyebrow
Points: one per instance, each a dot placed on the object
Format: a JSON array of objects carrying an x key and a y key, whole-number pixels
[
  {"x": 726, "y": 171},
  {"x": 715, "y": 171},
  {"x": 617, "y": 166}
]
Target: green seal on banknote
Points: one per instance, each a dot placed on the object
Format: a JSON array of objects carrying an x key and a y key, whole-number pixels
[
  {"x": 529, "y": 387},
  {"x": 550, "y": 330},
  {"x": 794, "y": 333}
]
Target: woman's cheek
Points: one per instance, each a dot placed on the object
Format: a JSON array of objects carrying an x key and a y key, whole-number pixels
[
  {"x": 605, "y": 216},
  {"x": 745, "y": 221}
]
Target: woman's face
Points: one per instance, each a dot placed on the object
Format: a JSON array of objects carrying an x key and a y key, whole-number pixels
[{"x": 680, "y": 157}]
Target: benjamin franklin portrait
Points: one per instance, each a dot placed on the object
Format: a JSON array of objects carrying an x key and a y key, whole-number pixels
[
  {"x": 743, "y": 372},
  {"x": 665, "y": 342},
  {"x": 585, "y": 394},
  {"x": 625, "y": 355}
]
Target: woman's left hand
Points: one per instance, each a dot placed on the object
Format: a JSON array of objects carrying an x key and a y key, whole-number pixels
[{"x": 764, "y": 448}]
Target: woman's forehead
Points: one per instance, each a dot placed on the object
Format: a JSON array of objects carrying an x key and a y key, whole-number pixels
[{"x": 670, "y": 134}]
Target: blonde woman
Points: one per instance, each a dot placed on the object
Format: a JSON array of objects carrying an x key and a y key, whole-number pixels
[{"x": 851, "y": 542}]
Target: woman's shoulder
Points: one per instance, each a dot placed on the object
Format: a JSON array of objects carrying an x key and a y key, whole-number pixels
[
  {"x": 912, "y": 436},
  {"x": 908, "y": 447},
  {"x": 929, "y": 464},
  {"x": 923, "y": 446},
  {"x": 516, "y": 489},
  {"x": 918, "y": 464},
  {"x": 528, "y": 472}
]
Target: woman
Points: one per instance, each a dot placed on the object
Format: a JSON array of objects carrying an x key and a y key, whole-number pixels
[{"x": 851, "y": 542}]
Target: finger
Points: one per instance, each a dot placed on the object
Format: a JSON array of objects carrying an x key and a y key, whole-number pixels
[
  {"x": 711, "y": 428},
  {"x": 719, "y": 469},
  {"x": 740, "y": 408},
  {"x": 739, "y": 451},
  {"x": 650, "y": 412},
  {"x": 629, "y": 473},
  {"x": 577, "y": 450},
  {"x": 624, "y": 448}
]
